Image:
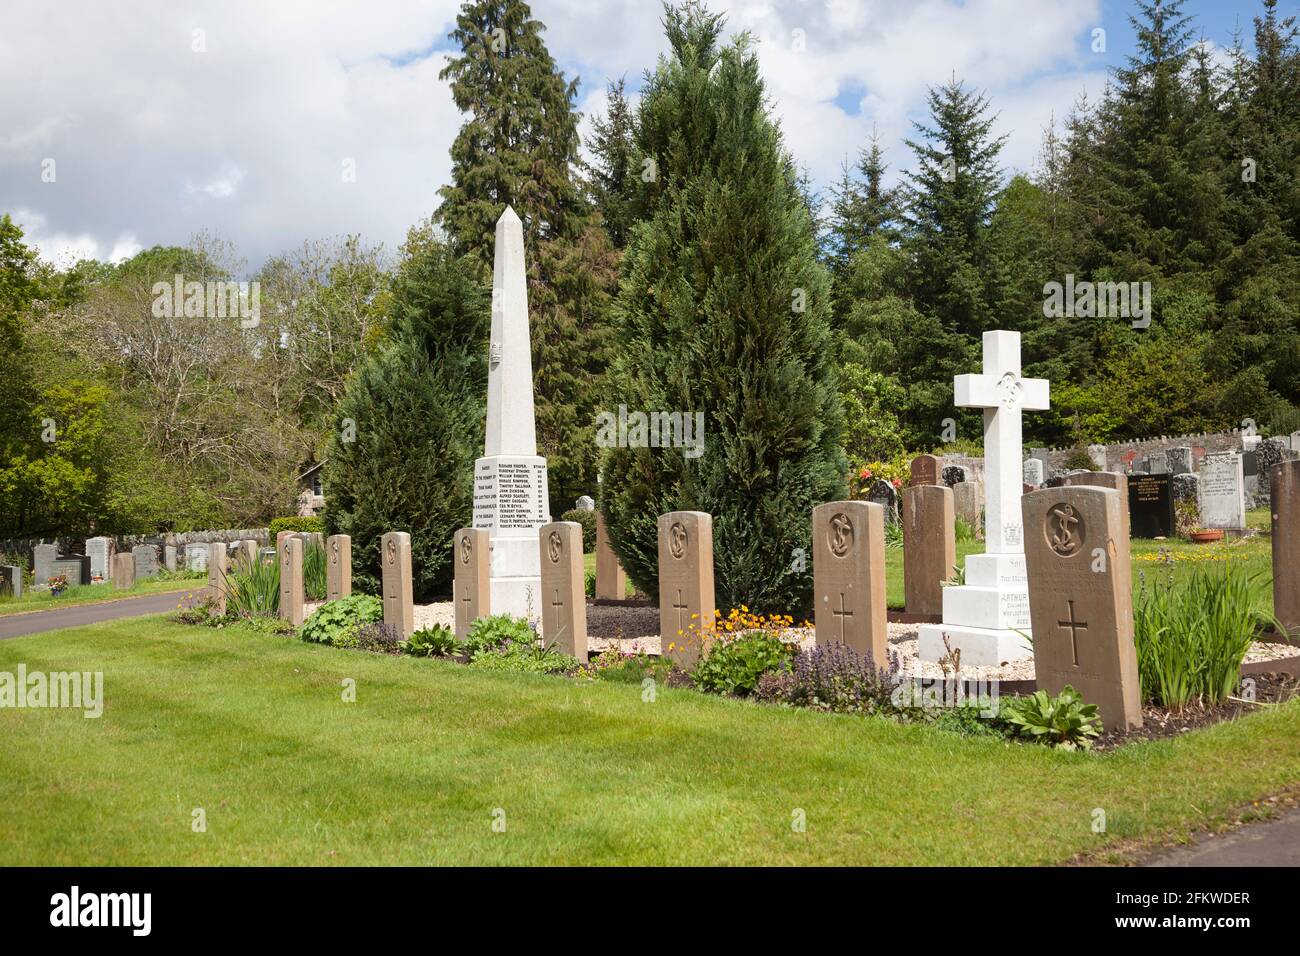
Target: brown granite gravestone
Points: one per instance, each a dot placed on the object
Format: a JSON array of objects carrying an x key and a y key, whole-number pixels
[
  {"x": 925, "y": 471},
  {"x": 472, "y": 588},
  {"x": 1284, "y": 490},
  {"x": 123, "y": 570},
  {"x": 1106, "y": 479},
  {"x": 246, "y": 554},
  {"x": 279, "y": 540},
  {"x": 687, "y": 614},
  {"x": 290, "y": 557},
  {"x": 564, "y": 597},
  {"x": 611, "y": 581},
  {"x": 968, "y": 503},
  {"x": 1081, "y": 598},
  {"x": 218, "y": 586},
  {"x": 338, "y": 567},
  {"x": 849, "y": 577},
  {"x": 399, "y": 608},
  {"x": 929, "y": 546}
]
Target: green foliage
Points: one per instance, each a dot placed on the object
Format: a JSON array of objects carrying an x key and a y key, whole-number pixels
[
  {"x": 1192, "y": 635},
  {"x": 723, "y": 309},
  {"x": 436, "y": 641},
  {"x": 620, "y": 668},
  {"x": 406, "y": 462},
  {"x": 315, "y": 573},
  {"x": 1064, "y": 721},
  {"x": 528, "y": 658},
  {"x": 304, "y": 524},
  {"x": 335, "y": 621},
  {"x": 1079, "y": 458},
  {"x": 872, "y": 431},
  {"x": 496, "y": 631},
  {"x": 253, "y": 591},
  {"x": 588, "y": 521},
  {"x": 735, "y": 666},
  {"x": 963, "y": 529}
]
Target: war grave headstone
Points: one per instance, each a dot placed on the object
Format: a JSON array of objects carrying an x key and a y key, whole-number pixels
[
  {"x": 472, "y": 585},
  {"x": 338, "y": 567},
  {"x": 1151, "y": 507},
  {"x": 686, "y": 604},
  {"x": 1285, "y": 504},
  {"x": 399, "y": 605},
  {"x": 849, "y": 577},
  {"x": 1106, "y": 479},
  {"x": 1081, "y": 599},
  {"x": 289, "y": 552},
  {"x": 218, "y": 586},
  {"x": 929, "y": 547},
  {"x": 564, "y": 599},
  {"x": 611, "y": 579}
]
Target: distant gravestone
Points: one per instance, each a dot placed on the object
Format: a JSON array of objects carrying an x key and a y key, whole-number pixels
[
  {"x": 43, "y": 558},
  {"x": 968, "y": 503},
  {"x": 291, "y": 593},
  {"x": 926, "y": 470},
  {"x": 338, "y": 567},
  {"x": 1179, "y": 459},
  {"x": 399, "y": 606},
  {"x": 1184, "y": 487},
  {"x": 611, "y": 580},
  {"x": 1081, "y": 599},
  {"x": 100, "y": 552},
  {"x": 953, "y": 475},
  {"x": 1222, "y": 492},
  {"x": 146, "y": 560},
  {"x": 1098, "y": 455},
  {"x": 686, "y": 603},
  {"x": 849, "y": 577},
  {"x": 883, "y": 493},
  {"x": 124, "y": 570},
  {"x": 1159, "y": 465},
  {"x": 585, "y": 503},
  {"x": 1285, "y": 482},
  {"x": 1269, "y": 453},
  {"x": 11, "y": 580},
  {"x": 1107, "y": 479},
  {"x": 564, "y": 599},
  {"x": 218, "y": 586},
  {"x": 1151, "y": 507},
  {"x": 246, "y": 554},
  {"x": 196, "y": 557},
  {"x": 929, "y": 547},
  {"x": 472, "y": 587},
  {"x": 169, "y": 557},
  {"x": 1033, "y": 473},
  {"x": 75, "y": 567}
]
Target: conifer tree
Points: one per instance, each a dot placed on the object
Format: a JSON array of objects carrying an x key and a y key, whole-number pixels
[
  {"x": 724, "y": 310},
  {"x": 615, "y": 168}
]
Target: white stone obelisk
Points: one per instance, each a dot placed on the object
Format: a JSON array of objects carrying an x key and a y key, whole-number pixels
[
  {"x": 985, "y": 615},
  {"x": 510, "y": 491}
]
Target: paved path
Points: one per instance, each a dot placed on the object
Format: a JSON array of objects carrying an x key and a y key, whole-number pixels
[
  {"x": 34, "y": 622},
  {"x": 1275, "y": 843}
]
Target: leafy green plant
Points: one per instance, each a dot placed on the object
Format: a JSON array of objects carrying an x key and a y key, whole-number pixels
[
  {"x": 334, "y": 621},
  {"x": 315, "y": 581},
  {"x": 893, "y": 534},
  {"x": 253, "y": 591},
  {"x": 376, "y": 636},
  {"x": 620, "y": 668},
  {"x": 495, "y": 630},
  {"x": 962, "y": 529},
  {"x": 527, "y": 657},
  {"x": 589, "y": 583},
  {"x": 1192, "y": 635},
  {"x": 588, "y": 521},
  {"x": 1064, "y": 721},
  {"x": 436, "y": 641},
  {"x": 297, "y": 523},
  {"x": 1079, "y": 457},
  {"x": 735, "y": 666}
]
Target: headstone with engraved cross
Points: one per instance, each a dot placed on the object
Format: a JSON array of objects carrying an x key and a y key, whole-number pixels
[
  {"x": 849, "y": 577},
  {"x": 291, "y": 593},
  {"x": 987, "y": 617},
  {"x": 564, "y": 598},
  {"x": 218, "y": 584},
  {"x": 338, "y": 567},
  {"x": 1081, "y": 598},
  {"x": 395, "y": 559},
  {"x": 686, "y": 608},
  {"x": 472, "y": 588}
]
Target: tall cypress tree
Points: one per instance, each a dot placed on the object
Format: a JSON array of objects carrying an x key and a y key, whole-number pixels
[
  {"x": 724, "y": 310},
  {"x": 518, "y": 146}
]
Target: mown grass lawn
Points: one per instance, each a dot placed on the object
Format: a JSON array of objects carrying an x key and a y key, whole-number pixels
[
  {"x": 253, "y": 729},
  {"x": 43, "y": 600}
]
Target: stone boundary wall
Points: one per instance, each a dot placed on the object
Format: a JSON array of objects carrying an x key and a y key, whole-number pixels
[
  {"x": 1205, "y": 443},
  {"x": 125, "y": 542}
]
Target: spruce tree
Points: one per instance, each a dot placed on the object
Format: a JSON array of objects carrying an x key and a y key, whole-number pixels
[
  {"x": 407, "y": 432},
  {"x": 615, "y": 167},
  {"x": 518, "y": 146},
  {"x": 861, "y": 207},
  {"x": 724, "y": 310}
]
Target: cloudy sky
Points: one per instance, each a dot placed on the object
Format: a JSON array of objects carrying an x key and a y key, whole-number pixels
[{"x": 130, "y": 124}]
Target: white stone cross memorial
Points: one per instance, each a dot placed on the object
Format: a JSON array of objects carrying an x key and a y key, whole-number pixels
[
  {"x": 983, "y": 616},
  {"x": 511, "y": 499}
]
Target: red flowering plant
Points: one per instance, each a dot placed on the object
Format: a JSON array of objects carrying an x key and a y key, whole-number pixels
[{"x": 863, "y": 474}]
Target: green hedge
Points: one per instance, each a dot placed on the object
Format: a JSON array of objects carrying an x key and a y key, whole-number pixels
[
  {"x": 588, "y": 521},
  {"x": 307, "y": 524}
]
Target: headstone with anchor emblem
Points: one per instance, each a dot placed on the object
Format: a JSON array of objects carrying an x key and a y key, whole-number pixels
[
  {"x": 564, "y": 599},
  {"x": 686, "y": 608},
  {"x": 395, "y": 557},
  {"x": 1081, "y": 598},
  {"x": 338, "y": 567},
  {"x": 849, "y": 577},
  {"x": 472, "y": 588}
]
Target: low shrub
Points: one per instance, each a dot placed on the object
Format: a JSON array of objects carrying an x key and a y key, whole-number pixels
[
  {"x": 633, "y": 668},
  {"x": 588, "y": 521},
  {"x": 1080, "y": 458},
  {"x": 376, "y": 636},
  {"x": 436, "y": 641},
  {"x": 589, "y": 583},
  {"x": 1064, "y": 721},
  {"x": 735, "y": 666},
  {"x": 335, "y": 621},
  {"x": 832, "y": 677},
  {"x": 524, "y": 656},
  {"x": 495, "y": 631},
  {"x": 296, "y": 523},
  {"x": 963, "y": 529},
  {"x": 253, "y": 592}
]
